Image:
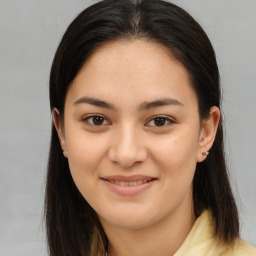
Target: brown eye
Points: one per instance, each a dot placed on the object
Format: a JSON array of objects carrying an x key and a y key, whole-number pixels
[
  {"x": 159, "y": 121},
  {"x": 96, "y": 120}
]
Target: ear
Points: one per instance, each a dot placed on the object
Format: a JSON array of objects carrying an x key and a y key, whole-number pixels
[
  {"x": 60, "y": 130},
  {"x": 208, "y": 133}
]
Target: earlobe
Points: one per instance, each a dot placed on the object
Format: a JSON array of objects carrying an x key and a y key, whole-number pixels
[
  {"x": 208, "y": 133},
  {"x": 60, "y": 130}
]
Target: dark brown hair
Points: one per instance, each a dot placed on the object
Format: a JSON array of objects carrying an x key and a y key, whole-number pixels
[{"x": 72, "y": 225}]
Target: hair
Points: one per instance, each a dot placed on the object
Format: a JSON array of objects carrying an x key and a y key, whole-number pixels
[{"x": 73, "y": 228}]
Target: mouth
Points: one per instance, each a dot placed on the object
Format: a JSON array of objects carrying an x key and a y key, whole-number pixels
[{"x": 129, "y": 185}]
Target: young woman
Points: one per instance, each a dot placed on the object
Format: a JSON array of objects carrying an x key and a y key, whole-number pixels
[{"x": 136, "y": 164}]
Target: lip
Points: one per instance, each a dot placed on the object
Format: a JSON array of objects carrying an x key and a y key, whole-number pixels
[{"x": 116, "y": 184}]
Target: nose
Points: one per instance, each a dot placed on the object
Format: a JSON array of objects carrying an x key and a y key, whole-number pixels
[{"x": 127, "y": 148}]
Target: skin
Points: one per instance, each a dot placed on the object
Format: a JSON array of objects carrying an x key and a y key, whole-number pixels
[{"x": 128, "y": 141}]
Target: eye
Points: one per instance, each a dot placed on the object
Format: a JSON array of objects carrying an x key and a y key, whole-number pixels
[
  {"x": 96, "y": 120},
  {"x": 159, "y": 121}
]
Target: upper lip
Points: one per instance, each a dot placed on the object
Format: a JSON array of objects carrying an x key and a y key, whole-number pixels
[{"x": 128, "y": 178}]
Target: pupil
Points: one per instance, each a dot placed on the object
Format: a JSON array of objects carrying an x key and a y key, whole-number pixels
[
  {"x": 98, "y": 120},
  {"x": 160, "y": 121}
]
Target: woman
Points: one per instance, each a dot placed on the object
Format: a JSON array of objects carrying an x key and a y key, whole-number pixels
[{"x": 136, "y": 164}]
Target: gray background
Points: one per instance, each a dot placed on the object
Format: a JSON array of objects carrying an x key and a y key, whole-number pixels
[{"x": 29, "y": 34}]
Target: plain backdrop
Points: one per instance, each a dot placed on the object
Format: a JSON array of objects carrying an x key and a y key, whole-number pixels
[{"x": 30, "y": 31}]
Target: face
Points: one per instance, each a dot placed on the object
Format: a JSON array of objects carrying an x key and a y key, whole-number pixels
[{"x": 132, "y": 134}]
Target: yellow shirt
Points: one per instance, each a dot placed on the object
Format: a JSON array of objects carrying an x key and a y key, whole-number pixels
[{"x": 201, "y": 242}]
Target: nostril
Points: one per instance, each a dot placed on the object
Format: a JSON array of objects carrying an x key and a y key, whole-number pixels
[
  {"x": 127, "y": 148},
  {"x": 127, "y": 157}
]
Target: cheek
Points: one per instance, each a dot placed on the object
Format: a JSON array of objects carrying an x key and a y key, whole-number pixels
[
  {"x": 177, "y": 152},
  {"x": 176, "y": 159},
  {"x": 85, "y": 152}
]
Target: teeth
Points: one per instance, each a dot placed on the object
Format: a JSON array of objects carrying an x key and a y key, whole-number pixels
[
  {"x": 122, "y": 183},
  {"x": 132, "y": 183}
]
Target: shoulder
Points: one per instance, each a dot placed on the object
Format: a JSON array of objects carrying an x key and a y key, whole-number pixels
[
  {"x": 238, "y": 248},
  {"x": 242, "y": 248},
  {"x": 202, "y": 241}
]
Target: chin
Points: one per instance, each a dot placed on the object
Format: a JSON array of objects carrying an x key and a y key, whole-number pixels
[{"x": 130, "y": 219}]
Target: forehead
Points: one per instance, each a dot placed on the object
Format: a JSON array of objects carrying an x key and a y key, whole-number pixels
[{"x": 126, "y": 69}]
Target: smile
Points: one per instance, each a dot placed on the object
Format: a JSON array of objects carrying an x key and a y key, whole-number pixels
[
  {"x": 132, "y": 183},
  {"x": 129, "y": 186}
]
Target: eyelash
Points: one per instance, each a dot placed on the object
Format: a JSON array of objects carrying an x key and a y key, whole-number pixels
[
  {"x": 164, "y": 118},
  {"x": 87, "y": 118}
]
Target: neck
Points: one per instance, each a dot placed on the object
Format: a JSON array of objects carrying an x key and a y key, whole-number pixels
[{"x": 161, "y": 239}]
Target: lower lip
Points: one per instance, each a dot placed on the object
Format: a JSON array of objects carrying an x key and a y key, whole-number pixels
[{"x": 129, "y": 190}]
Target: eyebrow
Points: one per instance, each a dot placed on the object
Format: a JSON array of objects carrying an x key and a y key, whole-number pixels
[
  {"x": 158, "y": 103},
  {"x": 95, "y": 102},
  {"x": 143, "y": 106}
]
